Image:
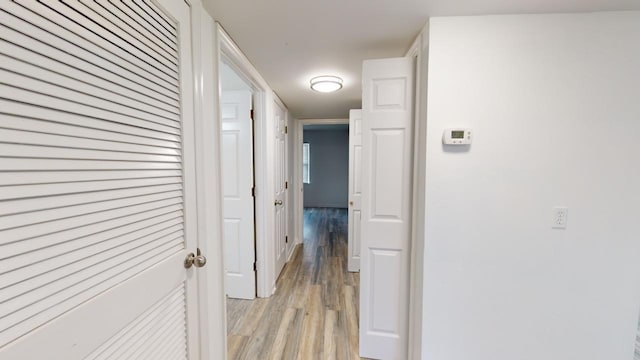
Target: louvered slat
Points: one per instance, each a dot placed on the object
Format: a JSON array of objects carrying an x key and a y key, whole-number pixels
[
  {"x": 54, "y": 86},
  {"x": 114, "y": 25},
  {"x": 133, "y": 134},
  {"x": 90, "y": 265},
  {"x": 89, "y": 207},
  {"x": 154, "y": 330},
  {"x": 63, "y": 201},
  {"x": 153, "y": 18},
  {"x": 48, "y": 31},
  {"x": 77, "y": 261},
  {"x": 11, "y": 178},
  {"x": 126, "y": 21},
  {"x": 19, "y": 69},
  {"x": 76, "y": 142},
  {"x": 91, "y": 163},
  {"x": 36, "y": 313},
  {"x": 121, "y": 343},
  {"x": 73, "y": 22},
  {"x": 159, "y": 16},
  {"x": 66, "y": 104},
  {"x": 122, "y": 232},
  {"x": 54, "y": 60}
]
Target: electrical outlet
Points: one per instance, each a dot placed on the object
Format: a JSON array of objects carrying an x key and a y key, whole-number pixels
[{"x": 560, "y": 214}]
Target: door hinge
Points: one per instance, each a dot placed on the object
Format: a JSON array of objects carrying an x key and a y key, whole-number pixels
[
  {"x": 255, "y": 266},
  {"x": 251, "y": 114},
  {"x": 286, "y": 239},
  {"x": 286, "y": 129},
  {"x": 253, "y": 191},
  {"x": 286, "y": 184}
]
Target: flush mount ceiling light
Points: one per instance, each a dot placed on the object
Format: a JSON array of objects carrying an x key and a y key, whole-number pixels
[{"x": 326, "y": 84}]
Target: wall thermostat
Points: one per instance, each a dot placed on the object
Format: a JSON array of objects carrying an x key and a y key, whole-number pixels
[{"x": 457, "y": 137}]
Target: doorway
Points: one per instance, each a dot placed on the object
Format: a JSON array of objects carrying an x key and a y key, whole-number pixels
[
  {"x": 327, "y": 142},
  {"x": 237, "y": 150}
]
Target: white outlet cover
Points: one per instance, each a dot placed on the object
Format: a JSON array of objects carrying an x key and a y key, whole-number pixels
[{"x": 559, "y": 218}]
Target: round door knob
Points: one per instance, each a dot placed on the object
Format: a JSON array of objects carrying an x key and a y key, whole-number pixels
[
  {"x": 189, "y": 260},
  {"x": 350, "y": 203},
  {"x": 200, "y": 261}
]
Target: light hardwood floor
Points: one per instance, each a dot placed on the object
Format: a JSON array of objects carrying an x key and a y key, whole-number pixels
[{"x": 314, "y": 311}]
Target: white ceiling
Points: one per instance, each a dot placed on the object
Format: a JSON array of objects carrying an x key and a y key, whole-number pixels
[{"x": 290, "y": 41}]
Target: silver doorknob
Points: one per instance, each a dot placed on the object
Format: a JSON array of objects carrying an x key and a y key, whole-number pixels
[
  {"x": 200, "y": 260},
  {"x": 189, "y": 260},
  {"x": 278, "y": 202}
]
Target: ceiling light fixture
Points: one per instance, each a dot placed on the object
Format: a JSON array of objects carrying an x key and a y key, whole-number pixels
[{"x": 326, "y": 84}]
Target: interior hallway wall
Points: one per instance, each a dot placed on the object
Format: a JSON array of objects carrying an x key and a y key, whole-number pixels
[
  {"x": 553, "y": 104},
  {"x": 329, "y": 170}
]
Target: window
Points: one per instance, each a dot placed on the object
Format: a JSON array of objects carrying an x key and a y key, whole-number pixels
[{"x": 305, "y": 164}]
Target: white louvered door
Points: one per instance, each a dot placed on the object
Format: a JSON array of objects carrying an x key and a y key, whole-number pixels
[{"x": 97, "y": 180}]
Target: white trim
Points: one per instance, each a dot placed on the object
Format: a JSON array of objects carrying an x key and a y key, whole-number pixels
[
  {"x": 414, "y": 49},
  {"x": 418, "y": 204},
  {"x": 297, "y": 168},
  {"x": 212, "y": 304},
  {"x": 263, "y": 98}
]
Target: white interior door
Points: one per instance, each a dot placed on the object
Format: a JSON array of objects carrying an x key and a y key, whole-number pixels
[
  {"x": 97, "y": 181},
  {"x": 355, "y": 189},
  {"x": 387, "y": 103},
  {"x": 280, "y": 227},
  {"x": 237, "y": 173}
]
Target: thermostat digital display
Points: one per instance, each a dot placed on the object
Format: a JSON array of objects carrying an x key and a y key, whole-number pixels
[{"x": 456, "y": 137}]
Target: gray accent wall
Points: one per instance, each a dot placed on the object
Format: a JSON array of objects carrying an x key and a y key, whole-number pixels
[{"x": 329, "y": 167}]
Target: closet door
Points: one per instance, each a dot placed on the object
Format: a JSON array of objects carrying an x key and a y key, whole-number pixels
[
  {"x": 97, "y": 202},
  {"x": 387, "y": 163}
]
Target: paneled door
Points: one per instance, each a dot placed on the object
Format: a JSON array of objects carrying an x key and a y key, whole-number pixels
[
  {"x": 280, "y": 178},
  {"x": 237, "y": 180},
  {"x": 387, "y": 133},
  {"x": 97, "y": 181},
  {"x": 355, "y": 189}
]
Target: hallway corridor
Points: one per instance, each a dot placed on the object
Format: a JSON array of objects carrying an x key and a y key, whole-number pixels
[{"x": 314, "y": 311}]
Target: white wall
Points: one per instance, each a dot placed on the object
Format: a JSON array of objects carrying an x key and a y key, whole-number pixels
[
  {"x": 230, "y": 80},
  {"x": 554, "y": 103}
]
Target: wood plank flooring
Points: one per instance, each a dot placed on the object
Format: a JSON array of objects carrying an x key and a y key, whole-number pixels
[{"x": 314, "y": 311}]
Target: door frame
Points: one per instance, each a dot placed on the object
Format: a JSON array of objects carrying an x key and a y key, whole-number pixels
[
  {"x": 298, "y": 210},
  {"x": 417, "y": 240},
  {"x": 210, "y": 41},
  {"x": 231, "y": 54},
  {"x": 212, "y": 301}
]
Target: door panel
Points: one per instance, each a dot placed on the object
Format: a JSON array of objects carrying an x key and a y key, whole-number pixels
[
  {"x": 386, "y": 207},
  {"x": 237, "y": 170},
  {"x": 280, "y": 236},
  {"x": 97, "y": 205},
  {"x": 355, "y": 188}
]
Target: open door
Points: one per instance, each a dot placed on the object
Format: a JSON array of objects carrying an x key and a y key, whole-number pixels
[
  {"x": 237, "y": 166},
  {"x": 280, "y": 235},
  {"x": 97, "y": 170},
  {"x": 355, "y": 189},
  {"x": 387, "y": 161}
]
